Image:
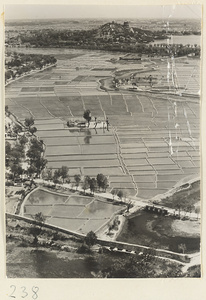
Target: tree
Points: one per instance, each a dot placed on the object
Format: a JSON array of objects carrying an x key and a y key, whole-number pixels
[
  {"x": 100, "y": 178},
  {"x": 31, "y": 170},
  {"x": 8, "y": 75},
  {"x": 93, "y": 185},
  {"x": 184, "y": 206},
  {"x": 7, "y": 148},
  {"x": 85, "y": 184},
  {"x": 178, "y": 207},
  {"x": 189, "y": 209},
  {"x": 197, "y": 211},
  {"x": 182, "y": 247},
  {"x": 114, "y": 192},
  {"x": 129, "y": 205},
  {"x": 120, "y": 194},
  {"x": 57, "y": 174},
  {"x": 36, "y": 230},
  {"x": 17, "y": 128},
  {"x": 87, "y": 115},
  {"x": 47, "y": 174},
  {"x": 6, "y": 109},
  {"x": 40, "y": 164},
  {"x": 35, "y": 156},
  {"x": 40, "y": 217},
  {"x": 102, "y": 181},
  {"x": 90, "y": 238},
  {"x": 35, "y": 144},
  {"x": 34, "y": 153},
  {"x": 16, "y": 169},
  {"x": 64, "y": 172},
  {"x": 77, "y": 179},
  {"x": 32, "y": 130},
  {"x": 105, "y": 184},
  {"x": 23, "y": 140},
  {"x": 29, "y": 122},
  {"x": 15, "y": 154}
]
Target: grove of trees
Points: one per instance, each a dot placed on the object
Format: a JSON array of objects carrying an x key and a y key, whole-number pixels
[
  {"x": 20, "y": 63},
  {"x": 99, "y": 39},
  {"x": 35, "y": 155}
]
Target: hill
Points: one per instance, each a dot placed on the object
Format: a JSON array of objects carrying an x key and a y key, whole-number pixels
[{"x": 124, "y": 33}]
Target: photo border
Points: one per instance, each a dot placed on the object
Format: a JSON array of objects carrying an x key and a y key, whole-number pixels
[{"x": 143, "y": 289}]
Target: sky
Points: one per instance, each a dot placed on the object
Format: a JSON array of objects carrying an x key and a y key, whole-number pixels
[{"x": 101, "y": 11}]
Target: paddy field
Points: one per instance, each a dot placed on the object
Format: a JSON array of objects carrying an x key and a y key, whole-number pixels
[{"x": 153, "y": 138}]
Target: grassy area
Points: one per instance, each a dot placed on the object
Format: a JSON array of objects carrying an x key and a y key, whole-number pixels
[{"x": 188, "y": 196}]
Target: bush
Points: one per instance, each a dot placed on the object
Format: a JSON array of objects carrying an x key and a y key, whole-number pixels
[
  {"x": 83, "y": 249},
  {"x": 56, "y": 236},
  {"x": 23, "y": 244},
  {"x": 9, "y": 183}
]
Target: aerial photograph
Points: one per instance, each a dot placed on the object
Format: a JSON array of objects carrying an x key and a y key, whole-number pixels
[{"x": 102, "y": 141}]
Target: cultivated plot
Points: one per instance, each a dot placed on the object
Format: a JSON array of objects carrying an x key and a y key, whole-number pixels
[
  {"x": 153, "y": 138},
  {"x": 72, "y": 211}
]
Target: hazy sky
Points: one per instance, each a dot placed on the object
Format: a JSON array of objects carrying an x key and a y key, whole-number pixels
[{"x": 101, "y": 11}]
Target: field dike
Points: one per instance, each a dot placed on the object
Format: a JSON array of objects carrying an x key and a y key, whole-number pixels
[{"x": 121, "y": 160}]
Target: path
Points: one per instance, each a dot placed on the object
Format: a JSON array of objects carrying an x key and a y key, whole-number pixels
[
  {"x": 195, "y": 259},
  {"x": 137, "y": 202},
  {"x": 30, "y": 73}
]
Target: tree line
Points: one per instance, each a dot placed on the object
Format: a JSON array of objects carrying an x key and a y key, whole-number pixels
[
  {"x": 20, "y": 63},
  {"x": 17, "y": 153},
  {"x": 61, "y": 175},
  {"x": 88, "y": 39}
]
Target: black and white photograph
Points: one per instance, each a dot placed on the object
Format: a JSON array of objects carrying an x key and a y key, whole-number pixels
[{"x": 102, "y": 141}]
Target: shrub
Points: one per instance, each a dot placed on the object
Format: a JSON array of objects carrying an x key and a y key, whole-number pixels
[
  {"x": 83, "y": 249},
  {"x": 91, "y": 238}
]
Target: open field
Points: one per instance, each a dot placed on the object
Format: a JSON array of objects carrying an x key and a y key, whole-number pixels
[
  {"x": 153, "y": 138},
  {"x": 72, "y": 211}
]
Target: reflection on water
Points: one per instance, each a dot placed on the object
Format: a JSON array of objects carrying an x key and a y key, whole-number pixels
[{"x": 88, "y": 136}]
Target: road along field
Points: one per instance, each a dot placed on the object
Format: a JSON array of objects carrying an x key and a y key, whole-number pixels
[{"x": 152, "y": 141}]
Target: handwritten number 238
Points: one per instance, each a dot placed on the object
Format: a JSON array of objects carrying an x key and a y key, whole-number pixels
[{"x": 24, "y": 293}]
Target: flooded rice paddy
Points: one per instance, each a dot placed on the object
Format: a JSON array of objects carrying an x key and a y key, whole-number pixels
[
  {"x": 153, "y": 137},
  {"x": 73, "y": 212}
]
